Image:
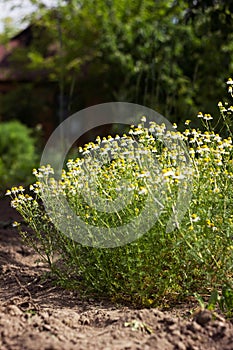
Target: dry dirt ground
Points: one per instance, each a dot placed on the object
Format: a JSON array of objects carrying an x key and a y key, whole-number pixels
[{"x": 34, "y": 314}]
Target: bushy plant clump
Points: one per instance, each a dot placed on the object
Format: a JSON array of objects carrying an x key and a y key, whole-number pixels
[
  {"x": 17, "y": 154},
  {"x": 160, "y": 266}
]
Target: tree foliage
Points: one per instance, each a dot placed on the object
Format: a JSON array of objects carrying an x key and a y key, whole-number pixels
[
  {"x": 219, "y": 13},
  {"x": 148, "y": 52}
]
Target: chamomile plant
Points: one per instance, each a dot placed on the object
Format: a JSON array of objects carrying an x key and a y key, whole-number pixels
[{"x": 108, "y": 188}]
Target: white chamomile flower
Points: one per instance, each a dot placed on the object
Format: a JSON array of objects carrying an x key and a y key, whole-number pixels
[
  {"x": 195, "y": 218},
  {"x": 16, "y": 224},
  {"x": 143, "y": 119},
  {"x": 207, "y": 117}
]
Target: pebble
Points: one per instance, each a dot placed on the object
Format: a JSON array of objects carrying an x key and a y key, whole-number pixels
[{"x": 203, "y": 317}]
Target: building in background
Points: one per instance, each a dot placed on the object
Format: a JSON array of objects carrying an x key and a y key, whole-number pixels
[{"x": 26, "y": 94}]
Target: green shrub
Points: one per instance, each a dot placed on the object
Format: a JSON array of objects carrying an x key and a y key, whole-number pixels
[
  {"x": 158, "y": 267},
  {"x": 17, "y": 154}
]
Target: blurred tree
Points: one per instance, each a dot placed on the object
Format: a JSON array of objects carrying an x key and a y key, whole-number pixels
[
  {"x": 211, "y": 21},
  {"x": 128, "y": 51},
  {"x": 8, "y": 30},
  {"x": 146, "y": 52},
  {"x": 219, "y": 13}
]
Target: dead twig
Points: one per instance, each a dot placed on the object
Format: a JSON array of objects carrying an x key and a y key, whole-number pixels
[{"x": 27, "y": 292}]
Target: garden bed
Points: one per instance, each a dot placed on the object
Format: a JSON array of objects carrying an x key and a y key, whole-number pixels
[{"x": 35, "y": 314}]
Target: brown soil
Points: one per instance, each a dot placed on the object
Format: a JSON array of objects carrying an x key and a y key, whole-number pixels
[{"x": 34, "y": 314}]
